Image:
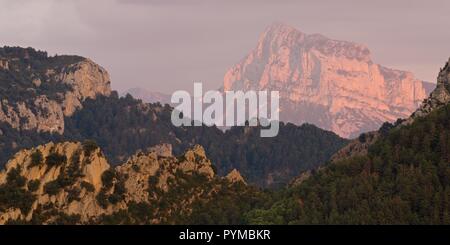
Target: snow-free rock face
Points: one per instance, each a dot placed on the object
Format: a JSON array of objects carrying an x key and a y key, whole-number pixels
[
  {"x": 439, "y": 97},
  {"x": 37, "y": 91},
  {"x": 74, "y": 180},
  {"x": 235, "y": 177},
  {"x": 332, "y": 84},
  {"x": 61, "y": 173}
]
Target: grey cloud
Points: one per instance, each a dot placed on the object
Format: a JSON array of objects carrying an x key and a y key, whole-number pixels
[{"x": 164, "y": 45}]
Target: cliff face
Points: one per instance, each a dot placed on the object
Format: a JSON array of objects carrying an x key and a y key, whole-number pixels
[
  {"x": 438, "y": 98},
  {"x": 74, "y": 181},
  {"x": 38, "y": 91},
  {"x": 332, "y": 84}
]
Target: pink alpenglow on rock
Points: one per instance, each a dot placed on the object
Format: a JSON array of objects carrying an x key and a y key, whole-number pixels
[{"x": 332, "y": 84}]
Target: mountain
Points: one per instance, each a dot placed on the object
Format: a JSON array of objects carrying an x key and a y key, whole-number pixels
[
  {"x": 402, "y": 178},
  {"x": 437, "y": 99},
  {"x": 122, "y": 126},
  {"x": 332, "y": 84},
  {"x": 86, "y": 109},
  {"x": 148, "y": 96},
  {"x": 38, "y": 91},
  {"x": 72, "y": 183}
]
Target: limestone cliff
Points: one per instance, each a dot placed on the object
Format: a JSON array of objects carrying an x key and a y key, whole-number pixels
[
  {"x": 74, "y": 181},
  {"x": 438, "y": 98},
  {"x": 332, "y": 84},
  {"x": 37, "y": 91}
]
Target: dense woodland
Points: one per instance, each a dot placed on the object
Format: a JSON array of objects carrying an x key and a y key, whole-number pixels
[
  {"x": 122, "y": 126},
  {"x": 405, "y": 179},
  {"x": 26, "y": 65}
]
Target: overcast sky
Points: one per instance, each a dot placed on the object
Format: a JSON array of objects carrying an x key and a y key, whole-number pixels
[{"x": 165, "y": 45}]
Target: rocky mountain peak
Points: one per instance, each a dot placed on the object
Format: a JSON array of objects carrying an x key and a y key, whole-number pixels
[
  {"x": 66, "y": 175},
  {"x": 329, "y": 83},
  {"x": 439, "y": 97},
  {"x": 235, "y": 177},
  {"x": 38, "y": 90},
  {"x": 75, "y": 180}
]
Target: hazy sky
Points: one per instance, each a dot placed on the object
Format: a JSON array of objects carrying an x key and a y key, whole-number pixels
[{"x": 164, "y": 45}]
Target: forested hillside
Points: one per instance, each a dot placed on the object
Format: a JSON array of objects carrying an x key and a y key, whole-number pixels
[
  {"x": 404, "y": 179},
  {"x": 69, "y": 98},
  {"x": 121, "y": 126}
]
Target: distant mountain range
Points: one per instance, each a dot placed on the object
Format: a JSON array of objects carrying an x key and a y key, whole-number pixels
[
  {"x": 147, "y": 96},
  {"x": 332, "y": 84},
  {"x": 402, "y": 178}
]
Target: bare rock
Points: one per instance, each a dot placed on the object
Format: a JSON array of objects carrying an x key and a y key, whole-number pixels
[
  {"x": 332, "y": 84},
  {"x": 235, "y": 177},
  {"x": 85, "y": 79}
]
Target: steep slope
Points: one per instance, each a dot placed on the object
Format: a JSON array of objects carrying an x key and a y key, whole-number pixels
[
  {"x": 72, "y": 183},
  {"x": 403, "y": 178},
  {"x": 38, "y": 91},
  {"x": 121, "y": 126},
  {"x": 332, "y": 84},
  {"x": 84, "y": 108},
  {"x": 437, "y": 99}
]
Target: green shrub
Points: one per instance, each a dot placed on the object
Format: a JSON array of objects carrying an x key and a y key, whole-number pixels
[
  {"x": 73, "y": 195},
  {"x": 33, "y": 185},
  {"x": 136, "y": 168},
  {"x": 102, "y": 199},
  {"x": 89, "y": 146},
  {"x": 15, "y": 179},
  {"x": 153, "y": 181},
  {"x": 55, "y": 159},
  {"x": 141, "y": 212},
  {"x": 36, "y": 158},
  {"x": 14, "y": 197},
  {"x": 52, "y": 188},
  {"x": 65, "y": 219},
  {"x": 119, "y": 192},
  {"x": 108, "y": 177},
  {"x": 88, "y": 186}
]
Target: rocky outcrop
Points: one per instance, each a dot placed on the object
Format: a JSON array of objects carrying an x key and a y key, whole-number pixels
[
  {"x": 50, "y": 87},
  {"x": 4, "y": 64},
  {"x": 65, "y": 178},
  {"x": 235, "y": 177},
  {"x": 44, "y": 115},
  {"x": 75, "y": 180},
  {"x": 439, "y": 97},
  {"x": 87, "y": 80},
  {"x": 357, "y": 147},
  {"x": 297, "y": 181},
  {"x": 332, "y": 84}
]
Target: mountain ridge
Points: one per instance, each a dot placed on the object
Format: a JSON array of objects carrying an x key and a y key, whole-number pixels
[
  {"x": 122, "y": 125},
  {"x": 50, "y": 88},
  {"x": 73, "y": 181},
  {"x": 332, "y": 84}
]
